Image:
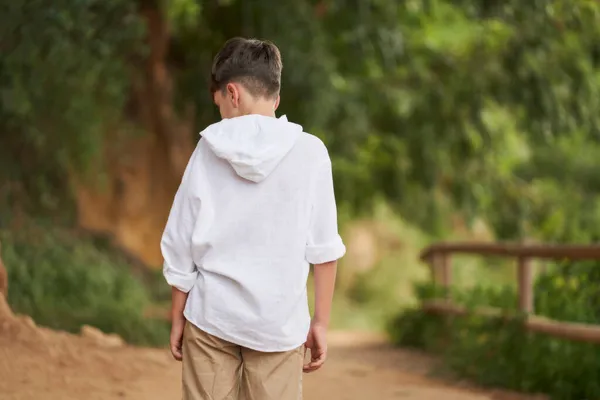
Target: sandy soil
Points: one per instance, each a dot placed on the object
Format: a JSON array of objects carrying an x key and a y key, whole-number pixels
[{"x": 37, "y": 363}]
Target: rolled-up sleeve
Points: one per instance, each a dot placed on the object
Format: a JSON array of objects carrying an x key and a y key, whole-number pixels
[
  {"x": 324, "y": 243},
  {"x": 176, "y": 245}
]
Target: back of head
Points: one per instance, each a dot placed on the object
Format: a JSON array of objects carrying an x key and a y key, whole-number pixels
[
  {"x": 246, "y": 79},
  {"x": 253, "y": 63}
]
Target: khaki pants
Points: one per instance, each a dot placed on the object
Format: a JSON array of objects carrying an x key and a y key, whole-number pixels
[{"x": 214, "y": 369}]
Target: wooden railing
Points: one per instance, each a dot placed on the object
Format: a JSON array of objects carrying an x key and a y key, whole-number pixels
[{"x": 438, "y": 257}]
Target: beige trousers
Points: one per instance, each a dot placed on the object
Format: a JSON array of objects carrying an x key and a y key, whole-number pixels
[{"x": 214, "y": 369}]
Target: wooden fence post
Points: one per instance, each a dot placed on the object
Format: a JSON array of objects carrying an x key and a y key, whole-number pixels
[
  {"x": 525, "y": 285},
  {"x": 446, "y": 264},
  {"x": 3, "y": 277},
  {"x": 431, "y": 264},
  {"x": 442, "y": 272}
]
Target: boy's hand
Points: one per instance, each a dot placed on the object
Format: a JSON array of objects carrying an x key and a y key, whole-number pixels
[
  {"x": 317, "y": 343},
  {"x": 176, "y": 341},
  {"x": 178, "y": 299}
]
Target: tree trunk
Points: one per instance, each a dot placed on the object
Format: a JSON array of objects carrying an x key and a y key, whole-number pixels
[
  {"x": 3, "y": 277},
  {"x": 142, "y": 173}
]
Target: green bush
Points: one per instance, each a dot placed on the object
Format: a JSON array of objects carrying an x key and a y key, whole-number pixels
[
  {"x": 499, "y": 352},
  {"x": 569, "y": 291},
  {"x": 414, "y": 328},
  {"x": 64, "y": 281}
]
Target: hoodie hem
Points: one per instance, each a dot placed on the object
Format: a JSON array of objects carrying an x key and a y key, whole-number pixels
[{"x": 249, "y": 344}]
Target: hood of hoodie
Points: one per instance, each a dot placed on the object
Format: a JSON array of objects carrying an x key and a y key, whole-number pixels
[{"x": 253, "y": 144}]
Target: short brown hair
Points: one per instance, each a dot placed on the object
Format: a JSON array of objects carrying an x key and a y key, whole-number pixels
[{"x": 254, "y": 63}]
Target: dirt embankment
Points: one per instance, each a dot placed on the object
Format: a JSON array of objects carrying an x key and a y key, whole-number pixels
[{"x": 39, "y": 363}]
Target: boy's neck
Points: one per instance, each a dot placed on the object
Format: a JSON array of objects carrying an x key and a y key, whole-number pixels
[{"x": 260, "y": 108}]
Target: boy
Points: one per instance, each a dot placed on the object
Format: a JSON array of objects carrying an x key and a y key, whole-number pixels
[{"x": 255, "y": 207}]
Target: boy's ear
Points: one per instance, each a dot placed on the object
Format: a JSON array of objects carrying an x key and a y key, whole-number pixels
[
  {"x": 233, "y": 94},
  {"x": 276, "y": 105}
]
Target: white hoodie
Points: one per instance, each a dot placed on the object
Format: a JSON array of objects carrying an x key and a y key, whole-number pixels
[{"x": 254, "y": 208}]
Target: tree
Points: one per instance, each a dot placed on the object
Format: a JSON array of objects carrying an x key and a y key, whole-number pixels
[{"x": 482, "y": 108}]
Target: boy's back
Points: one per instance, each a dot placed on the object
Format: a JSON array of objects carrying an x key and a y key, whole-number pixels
[
  {"x": 254, "y": 209},
  {"x": 252, "y": 239}
]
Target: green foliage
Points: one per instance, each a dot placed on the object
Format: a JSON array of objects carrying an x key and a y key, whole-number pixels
[
  {"x": 487, "y": 109},
  {"x": 500, "y": 352},
  {"x": 413, "y": 328},
  {"x": 64, "y": 78},
  {"x": 63, "y": 282},
  {"x": 569, "y": 292},
  {"x": 437, "y": 106},
  {"x": 365, "y": 299},
  {"x": 483, "y": 108}
]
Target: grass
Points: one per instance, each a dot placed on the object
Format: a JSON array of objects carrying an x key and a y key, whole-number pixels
[
  {"x": 501, "y": 353},
  {"x": 376, "y": 276},
  {"x": 369, "y": 297},
  {"x": 64, "y": 280}
]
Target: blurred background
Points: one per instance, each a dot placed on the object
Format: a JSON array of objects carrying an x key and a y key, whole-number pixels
[{"x": 462, "y": 120}]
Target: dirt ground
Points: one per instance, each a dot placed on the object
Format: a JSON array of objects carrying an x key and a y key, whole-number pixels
[{"x": 36, "y": 363}]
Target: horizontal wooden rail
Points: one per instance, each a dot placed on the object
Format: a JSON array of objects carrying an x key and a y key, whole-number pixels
[
  {"x": 439, "y": 258},
  {"x": 554, "y": 251},
  {"x": 566, "y": 330}
]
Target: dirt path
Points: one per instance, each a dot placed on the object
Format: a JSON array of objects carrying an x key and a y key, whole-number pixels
[{"x": 37, "y": 363}]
